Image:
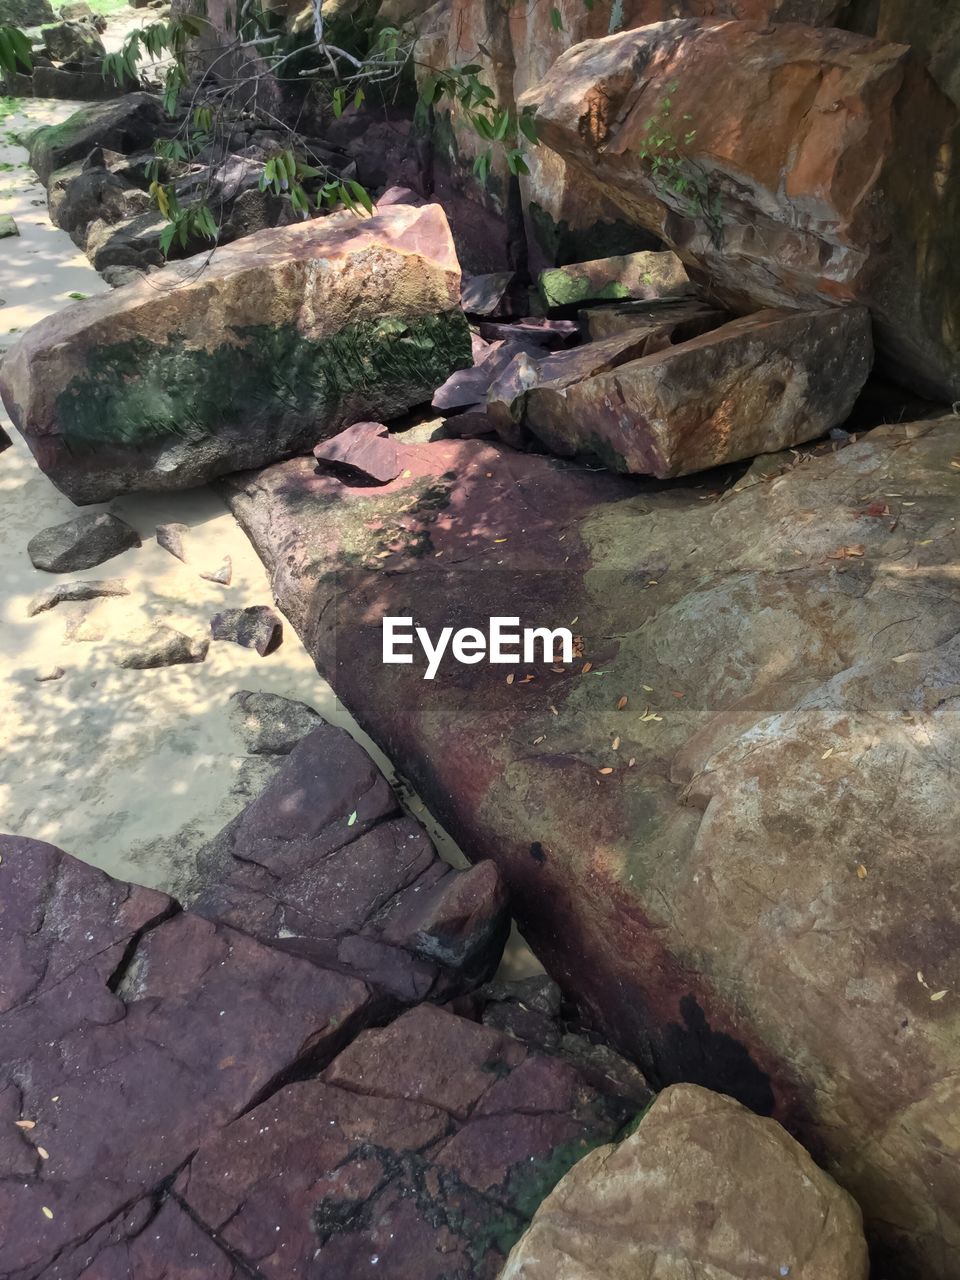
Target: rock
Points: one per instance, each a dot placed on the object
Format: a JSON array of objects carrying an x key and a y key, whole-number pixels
[
  {"x": 81, "y": 543},
  {"x": 132, "y": 242},
  {"x": 121, "y": 125},
  {"x": 784, "y": 817},
  {"x": 51, "y": 673},
  {"x": 668, "y": 322},
  {"x": 341, "y": 348},
  {"x": 701, "y": 1189},
  {"x": 486, "y": 295},
  {"x": 635, "y": 275},
  {"x": 117, "y": 277},
  {"x": 5, "y": 441},
  {"x": 75, "y": 11},
  {"x": 82, "y": 82},
  {"x": 26, "y": 13},
  {"x": 172, "y": 537},
  {"x": 223, "y": 574},
  {"x": 78, "y": 197},
  {"x": 73, "y": 42},
  {"x": 255, "y": 627},
  {"x": 130, "y": 1036},
  {"x": 160, "y": 646},
  {"x": 8, "y": 226},
  {"x": 270, "y": 724},
  {"x": 827, "y": 209},
  {"x": 544, "y": 333},
  {"x": 424, "y": 1146},
  {"x": 69, "y": 591},
  {"x": 366, "y": 447},
  {"x": 755, "y": 385}
]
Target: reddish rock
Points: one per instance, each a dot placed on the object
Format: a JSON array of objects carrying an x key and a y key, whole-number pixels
[
  {"x": 853, "y": 168},
  {"x": 746, "y": 905},
  {"x": 756, "y": 385},
  {"x": 421, "y": 1153},
  {"x": 366, "y": 447}
]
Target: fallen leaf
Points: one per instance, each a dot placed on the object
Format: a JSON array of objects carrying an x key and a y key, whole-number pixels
[
  {"x": 615, "y": 744},
  {"x": 827, "y": 754},
  {"x": 631, "y": 762},
  {"x": 497, "y": 540},
  {"x": 553, "y": 710},
  {"x": 605, "y": 771},
  {"x": 861, "y": 872},
  {"x": 537, "y": 741},
  {"x": 352, "y": 819},
  {"x": 955, "y": 463},
  {"x": 47, "y": 1213},
  {"x": 920, "y": 979},
  {"x": 648, "y": 688},
  {"x": 510, "y": 678},
  {"x": 938, "y": 995},
  {"x": 43, "y": 1153},
  {"x": 845, "y": 553},
  {"x": 25, "y": 1124},
  {"x": 622, "y": 702},
  {"x": 587, "y": 666},
  {"x": 677, "y": 694}
]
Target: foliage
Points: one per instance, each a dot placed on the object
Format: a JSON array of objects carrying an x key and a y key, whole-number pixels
[
  {"x": 679, "y": 179},
  {"x": 476, "y": 107},
  {"x": 14, "y": 51}
]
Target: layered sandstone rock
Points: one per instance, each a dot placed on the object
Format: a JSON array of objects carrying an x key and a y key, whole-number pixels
[
  {"x": 843, "y": 186},
  {"x": 701, "y": 1190},
  {"x": 278, "y": 340},
  {"x": 752, "y": 386},
  {"x": 745, "y": 870}
]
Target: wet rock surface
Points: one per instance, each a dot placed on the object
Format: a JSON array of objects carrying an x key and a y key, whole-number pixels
[
  {"x": 764, "y": 657},
  {"x": 82, "y": 543}
]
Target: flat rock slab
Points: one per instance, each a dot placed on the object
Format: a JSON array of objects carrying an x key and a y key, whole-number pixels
[
  {"x": 823, "y": 205},
  {"x": 701, "y": 1189},
  {"x": 160, "y": 646},
  {"x": 755, "y": 385},
  {"x": 323, "y": 862},
  {"x": 124, "y": 124},
  {"x": 68, "y": 592},
  {"x": 632, "y": 275},
  {"x": 281, "y": 339},
  {"x": 669, "y": 320},
  {"x": 81, "y": 543},
  {"x": 418, "y": 1155},
  {"x": 741, "y": 869},
  {"x": 256, "y": 627}
]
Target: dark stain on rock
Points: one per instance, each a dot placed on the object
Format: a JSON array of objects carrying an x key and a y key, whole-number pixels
[{"x": 696, "y": 1054}]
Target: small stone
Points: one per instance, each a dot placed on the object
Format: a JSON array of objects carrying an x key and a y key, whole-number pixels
[
  {"x": 8, "y": 226},
  {"x": 223, "y": 575},
  {"x": 70, "y": 591},
  {"x": 53, "y": 673},
  {"x": 256, "y": 627},
  {"x": 171, "y": 538},
  {"x": 163, "y": 646},
  {"x": 366, "y": 447},
  {"x": 81, "y": 543},
  {"x": 484, "y": 295}
]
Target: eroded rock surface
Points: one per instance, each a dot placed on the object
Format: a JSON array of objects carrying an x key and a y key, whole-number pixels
[
  {"x": 740, "y": 871},
  {"x": 82, "y": 543},
  {"x": 281, "y": 339},
  {"x": 702, "y": 1190}
]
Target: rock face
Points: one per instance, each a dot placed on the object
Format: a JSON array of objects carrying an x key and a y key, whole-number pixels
[
  {"x": 852, "y": 169},
  {"x": 256, "y": 627},
  {"x": 81, "y": 543},
  {"x": 742, "y": 869},
  {"x": 282, "y": 338},
  {"x": 129, "y": 124},
  {"x": 73, "y": 42},
  {"x": 702, "y": 1190},
  {"x": 26, "y": 13},
  {"x": 752, "y": 386},
  {"x": 147, "y": 1123}
]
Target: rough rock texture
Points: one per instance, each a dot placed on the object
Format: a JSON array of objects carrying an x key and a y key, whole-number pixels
[
  {"x": 634, "y": 275},
  {"x": 269, "y": 724},
  {"x": 81, "y": 543},
  {"x": 668, "y": 321},
  {"x": 125, "y": 125},
  {"x": 324, "y": 863},
  {"x": 366, "y": 447},
  {"x": 701, "y": 1190},
  {"x": 418, "y": 1155},
  {"x": 26, "y": 13},
  {"x": 72, "y": 42},
  {"x": 71, "y": 591},
  {"x": 255, "y": 627},
  {"x": 853, "y": 168},
  {"x": 748, "y": 904},
  {"x": 160, "y": 646},
  {"x": 753, "y": 386},
  {"x": 282, "y": 338}
]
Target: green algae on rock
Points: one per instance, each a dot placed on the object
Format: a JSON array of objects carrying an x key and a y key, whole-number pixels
[{"x": 232, "y": 361}]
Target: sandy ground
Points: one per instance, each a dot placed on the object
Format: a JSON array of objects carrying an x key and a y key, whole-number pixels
[{"x": 131, "y": 770}]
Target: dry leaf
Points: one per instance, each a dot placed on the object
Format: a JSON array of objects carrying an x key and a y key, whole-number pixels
[
  {"x": 938, "y": 995},
  {"x": 553, "y": 710},
  {"x": 622, "y": 702},
  {"x": 498, "y": 540},
  {"x": 25, "y": 1124},
  {"x": 510, "y": 678},
  {"x": 648, "y": 688},
  {"x": 955, "y": 463},
  {"x": 921, "y": 980},
  {"x": 605, "y": 771},
  {"x": 537, "y": 741},
  {"x": 615, "y": 744},
  {"x": 861, "y": 872},
  {"x": 827, "y": 754},
  {"x": 43, "y": 1153},
  {"x": 47, "y": 1213},
  {"x": 587, "y": 666},
  {"x": 631, "y": 762}
]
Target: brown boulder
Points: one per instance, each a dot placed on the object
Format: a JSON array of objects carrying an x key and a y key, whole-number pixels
[
  {"x": 827, "y": 201},
  {"x": 278, "y": 340},
  {"x": 701, "y": 1190},
  {"x": 755, "y": 385},
  {"x": 741, "y": 871}
]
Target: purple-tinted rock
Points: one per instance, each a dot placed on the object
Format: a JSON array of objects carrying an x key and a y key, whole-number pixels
[
  {"x": 256, "y": 627},
  {"x": 485, "y": 295},
  {"x": 172, "y": 537},
  {"x": 545, "y": 333},
  {"x": 366, "y": 447}
]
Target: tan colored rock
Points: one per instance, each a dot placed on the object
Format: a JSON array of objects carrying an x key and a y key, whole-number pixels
[
  {"x": 626, "y": 276},
  {"x": 755, "y": 385},
  {"x": 230, "y": 361},
  {"x": 812, "y": 166},
  {"x": 702, "y": 1190}
]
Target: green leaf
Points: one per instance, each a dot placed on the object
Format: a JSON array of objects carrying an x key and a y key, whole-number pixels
[
  {"x": 351, "y": 821},
  {"x": 361, "y": 194},
  {"x": 556, "y": 19}
]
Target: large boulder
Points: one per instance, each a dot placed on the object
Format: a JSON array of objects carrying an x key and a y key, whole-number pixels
[
  {"x": 26, "y": 13},
  {"x": 73, "y": 42},
  {"x": 845, "y": 167},
  {"x": 730, "y": 826},
  {"x": 701, "y": 1190},
  {"x": 128, "y": 124},
  {"x": 753, "y": 386},
  {"x": 277, "y": 341}
]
